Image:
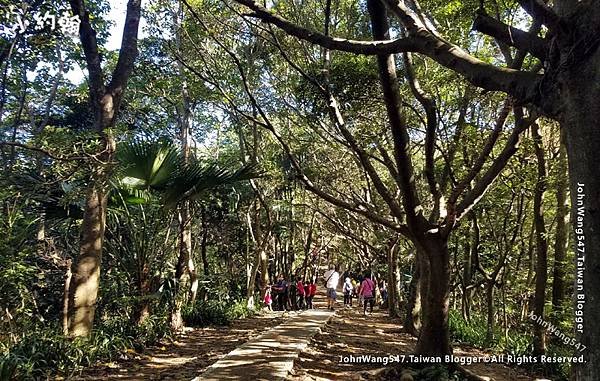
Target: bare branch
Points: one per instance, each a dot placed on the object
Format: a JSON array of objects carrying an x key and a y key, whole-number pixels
[
  {"x": 521, "y": 85},
  {"x": 483, "y": 155},
  {"x": 430, "y": 107},
  {"x": 484, "y": 183}
]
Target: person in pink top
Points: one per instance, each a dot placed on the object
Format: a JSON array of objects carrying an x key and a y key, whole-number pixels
[
  {"x": 367, "y": 290},
  {"x": 268, "y": 300}
]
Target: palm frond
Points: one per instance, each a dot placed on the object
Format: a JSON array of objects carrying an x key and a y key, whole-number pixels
[
  {"x": 148, "y": 165},
  {"x": 196, "y": 178}
]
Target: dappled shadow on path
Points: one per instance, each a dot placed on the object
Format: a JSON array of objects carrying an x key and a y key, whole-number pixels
[
  {"x": 350, "y": 333},
  {"x": 191, "y": 352}
]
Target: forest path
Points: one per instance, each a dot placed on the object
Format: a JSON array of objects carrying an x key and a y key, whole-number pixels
[
  {"x": 270, "y": 356},
  {"x": 300, "y": 346},
  {"x": 190, "y": 353},
  {"x": 350, "y": 333},
  {"x": 195, "y": 350}
]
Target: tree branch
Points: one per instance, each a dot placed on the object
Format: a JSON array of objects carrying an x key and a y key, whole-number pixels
[
  {"x": 129, "y": 51},
  {"x": 430, "y": 107},
  {"x": 521, "y": 85},
  {"x": 87, "y": 36},
  {"x": 484, "y": 183},
  {"x": 483, "y": 155},
  {"x": 333, "y": 43},
  {"x": 541, "y": 12},
  {"x": 389, "y": 84},
  {"x": 509, "y": 35},
  {"x": 42, "y": 151}
]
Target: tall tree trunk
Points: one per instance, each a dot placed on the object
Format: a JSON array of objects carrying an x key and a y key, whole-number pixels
[
  {"x": 182, "y": 269},
  {"x": 105, "y": 100},
  {"x": 65, "y": 310},
  {"x": 142, "y": 308},
  {"x": 434, "y": 338},
  {"x": 393, "y": 278},
  {"x": 580, "y": 120},
  {"x": 541, "y": 272},
  {"x": 561, "y": 242},
  {"x": 185, "y": 261},
  {"x": 204, "y": 243},
  {"x": 489, "y": 296},
  {"x": 85, "y": 280},
  {"x": 253, "y": 266},
  {"x": 471, "y": 254},
  {"x": 412, "y": 320}
]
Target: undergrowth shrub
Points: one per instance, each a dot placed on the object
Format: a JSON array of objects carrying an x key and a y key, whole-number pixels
[
  {"x": 516, "y": 344},
  {"x": 215, "y": 312},
  {"x": 45, "y": 351},
  {"x": 474, "y": 333}
]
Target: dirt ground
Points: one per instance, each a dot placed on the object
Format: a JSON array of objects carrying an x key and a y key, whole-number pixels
[
  {"x": 350, "y": 333},
  {"x": 188, "y": 356}
]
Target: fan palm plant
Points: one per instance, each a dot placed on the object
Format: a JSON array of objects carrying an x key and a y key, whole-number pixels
[
  {"x": 157, "y": 171},
  {"x": 145, "y": 165},
  {"x": 159, "y": 166}
]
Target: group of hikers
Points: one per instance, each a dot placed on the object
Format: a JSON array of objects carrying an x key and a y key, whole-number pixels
[
  {"x": 284, "y": 295},
  {"x": 362, "y": 286}
]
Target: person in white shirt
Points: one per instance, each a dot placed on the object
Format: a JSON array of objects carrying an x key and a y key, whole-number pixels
[
  {"x": 347, "y": 292},
  {"x": 332, "y": 278}
]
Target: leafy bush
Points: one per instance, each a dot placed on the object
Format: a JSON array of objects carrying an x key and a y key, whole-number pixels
[
  {"x": 517, "y": 344},
  {"x": 437, "y": 373},
  {"x": 8, "y": 368},
  {"x": 45, "y": 351},
  {"x": 215, "y": 312},
  {"x": 473, "y": 332}
]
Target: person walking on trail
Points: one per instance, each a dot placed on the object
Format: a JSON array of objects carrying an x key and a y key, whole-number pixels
[
  {"x": 268, "y": 300},
  {"x": 359, "y": 294},
  {"x": 367, "y": 290},
  {"x": 347, "y": 289},
  {"x": 281, "y": 293},
  {"x": 300, "y": 293},
  {"x": 332, "y": 278},
  {"x": 312, "y": 291},
  {"x": 291, "y": 300},
  {"x": 384, "y": 292}
]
